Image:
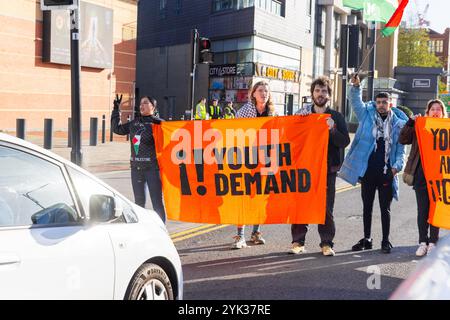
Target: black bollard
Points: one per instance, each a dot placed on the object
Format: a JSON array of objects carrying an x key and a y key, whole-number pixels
[
  {"x": 111, "y": 133},
  {"x": 48, "y": 133},
  {"x": 93, "y": 132},
  {"x": 20, "y": 128},
  {"x": 69, "y": 133},
  {"x": 103, "y": 128}
]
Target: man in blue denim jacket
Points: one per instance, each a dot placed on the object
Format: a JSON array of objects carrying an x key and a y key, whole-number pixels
[{"x": 374, "y": 159}]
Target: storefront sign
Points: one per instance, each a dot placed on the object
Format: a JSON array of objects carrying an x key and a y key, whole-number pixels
[
  {"x": 277, "y": 73},
  {"x": 223, "y": 70},
  {"x": 227, "y": 70}
]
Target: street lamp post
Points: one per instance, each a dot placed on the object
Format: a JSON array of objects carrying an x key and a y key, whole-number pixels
[{"x": 75, "y": 154}]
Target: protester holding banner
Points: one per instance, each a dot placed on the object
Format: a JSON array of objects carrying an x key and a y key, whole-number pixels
[
  {"x": 260, "y": 105},
  {"x": 338, "y": 139},
  {"x": 144, "y": 167},
  {"x": 414, "y": 176},
  {"x": 375, "y": 157}
]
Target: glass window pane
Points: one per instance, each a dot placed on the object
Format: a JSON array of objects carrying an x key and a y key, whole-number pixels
[
  {"x": 245, "y": 56},
  {"x": 217, "y": 46},
  {"x": 245, "y": 43},
  {"x": 86, "y": 187},
  {"x": 230, "y": 58},
  {"x": 230, "y": 45},
  {"x": 33, "y": 191}
]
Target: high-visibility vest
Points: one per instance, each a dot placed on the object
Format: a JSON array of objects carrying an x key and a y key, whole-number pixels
[
  {"x": 228, "y": 114},
  {"x": 215, "y": 112},
  {"x": 200, "y": 111}
]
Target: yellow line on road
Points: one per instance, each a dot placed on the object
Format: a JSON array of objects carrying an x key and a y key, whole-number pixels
[
  {"x": 179, "y": 234},
  {"x": 200, "y": 232},
  {"x": 348, "y": 188}
]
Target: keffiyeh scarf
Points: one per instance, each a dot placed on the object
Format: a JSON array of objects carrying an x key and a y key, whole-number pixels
[{"x": 383, "y": 129}]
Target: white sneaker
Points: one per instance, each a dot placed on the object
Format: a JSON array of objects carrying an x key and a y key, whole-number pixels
[
  {"x": 239, "y": 242},
  {"x": 431, "y": 247},
  {"x": 297, "y": 248},
  {"x": 328, "y": 251},
  {"x": 422, "y": 249}
]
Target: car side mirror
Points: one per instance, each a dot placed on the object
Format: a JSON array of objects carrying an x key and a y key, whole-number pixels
[{"x": 103, "y": 208}]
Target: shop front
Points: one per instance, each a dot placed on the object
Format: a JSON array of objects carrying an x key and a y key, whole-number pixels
[{"x": 232, "y": 82}]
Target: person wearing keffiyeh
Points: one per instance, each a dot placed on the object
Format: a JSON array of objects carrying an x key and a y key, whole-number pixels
[{"x": 374, "y": 159}]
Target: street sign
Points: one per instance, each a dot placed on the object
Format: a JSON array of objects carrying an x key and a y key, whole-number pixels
[
  {"x": 59, "y": 4},
  {"x": 421, "y": 83}
]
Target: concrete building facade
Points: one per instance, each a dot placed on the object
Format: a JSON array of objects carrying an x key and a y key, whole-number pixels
[{"x": 251, "y": 40}]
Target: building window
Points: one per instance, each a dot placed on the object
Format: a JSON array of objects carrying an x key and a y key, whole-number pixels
[
  {"x": 272, "y": 6},
  {"x": 222, "y": 5},
  {"x": 320, "y": 26},
  {"x": 162, "y": 8},
  {"x": 309, "y": 16},
  {"x": 439, "y": 46},
  {"x": 178, "y": 6},
  {"x": 337, "y": 30},
  {"x": 319, "y": 62}
]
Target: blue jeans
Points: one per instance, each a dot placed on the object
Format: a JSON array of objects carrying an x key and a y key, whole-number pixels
[
  {"x": 150, "y": 176},
  {"x": 241, "y": 229}
]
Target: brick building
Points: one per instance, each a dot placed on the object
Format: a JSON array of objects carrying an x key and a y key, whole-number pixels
[{"x": 33, "y": 89}]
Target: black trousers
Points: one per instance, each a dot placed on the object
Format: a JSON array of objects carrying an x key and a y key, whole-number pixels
[
  {"x": 423, "y": 207},
  {"x": 370, "y": 183},
  {"x": 150, "y": 176},
  {"x": 327, "y": 230}
]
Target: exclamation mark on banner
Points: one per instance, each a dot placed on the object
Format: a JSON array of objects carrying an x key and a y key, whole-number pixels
[
  {"x": 438, "y": 184},
  {"x": 199, "y": 168},
  {"x": 185, "y": 188}
]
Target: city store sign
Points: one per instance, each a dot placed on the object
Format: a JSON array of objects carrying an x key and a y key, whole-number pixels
[
  {"x": 265, "y": 71},
  {"x": 223, "y": 70}
]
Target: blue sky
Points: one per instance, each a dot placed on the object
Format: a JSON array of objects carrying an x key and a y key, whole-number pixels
[{"x": 438, "y": 12}]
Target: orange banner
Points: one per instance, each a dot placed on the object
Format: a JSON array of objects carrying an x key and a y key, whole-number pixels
[
  {"x": 433, "y": 136},
  {"x": 244, "y": 171}
]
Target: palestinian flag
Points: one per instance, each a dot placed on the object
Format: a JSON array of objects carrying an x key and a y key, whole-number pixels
[
  {"x": 136, "y": 143},
  {"x": 386, "y": 11},
  {"x": 395, "y": 20}
]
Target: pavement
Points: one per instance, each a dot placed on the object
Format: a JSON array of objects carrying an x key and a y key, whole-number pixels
[{"x": 109, "y": 161}]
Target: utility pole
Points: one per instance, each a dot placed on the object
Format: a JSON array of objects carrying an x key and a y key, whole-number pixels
[
  {"x": 194, "y": 44},
  {"x": 76, "y": 154}
]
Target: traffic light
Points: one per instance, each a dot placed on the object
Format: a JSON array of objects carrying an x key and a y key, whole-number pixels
[
  {"x": 204, "y": 51},
  {"x": 59, "y": 4}
]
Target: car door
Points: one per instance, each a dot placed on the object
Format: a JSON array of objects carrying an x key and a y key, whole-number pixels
[{"x": 47, "y": 251}]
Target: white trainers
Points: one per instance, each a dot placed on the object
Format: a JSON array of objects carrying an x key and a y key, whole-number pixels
[
  {"x": 328, "y": 251},
  {"x": 431, "y": 247},
  {"x": 422, "y": 249},
  {"x": 239, "y": 242},
  {"x": 297, "y": 248}
]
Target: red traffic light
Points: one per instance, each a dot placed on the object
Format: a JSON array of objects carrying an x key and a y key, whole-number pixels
[{"x": 204, "y": 44}]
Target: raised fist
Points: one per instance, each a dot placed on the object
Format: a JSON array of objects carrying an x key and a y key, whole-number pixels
[{"x": 355, "y": 81}]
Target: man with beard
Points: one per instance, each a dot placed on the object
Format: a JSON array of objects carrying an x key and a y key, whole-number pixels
[
  {"x": 339, "y": 139},
  {"x": 374, "y": 159}
]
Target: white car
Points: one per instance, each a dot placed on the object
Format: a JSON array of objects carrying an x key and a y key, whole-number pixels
[
  {"x": 431, "y": 278},
  {"x": 64, "y": 234}
]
